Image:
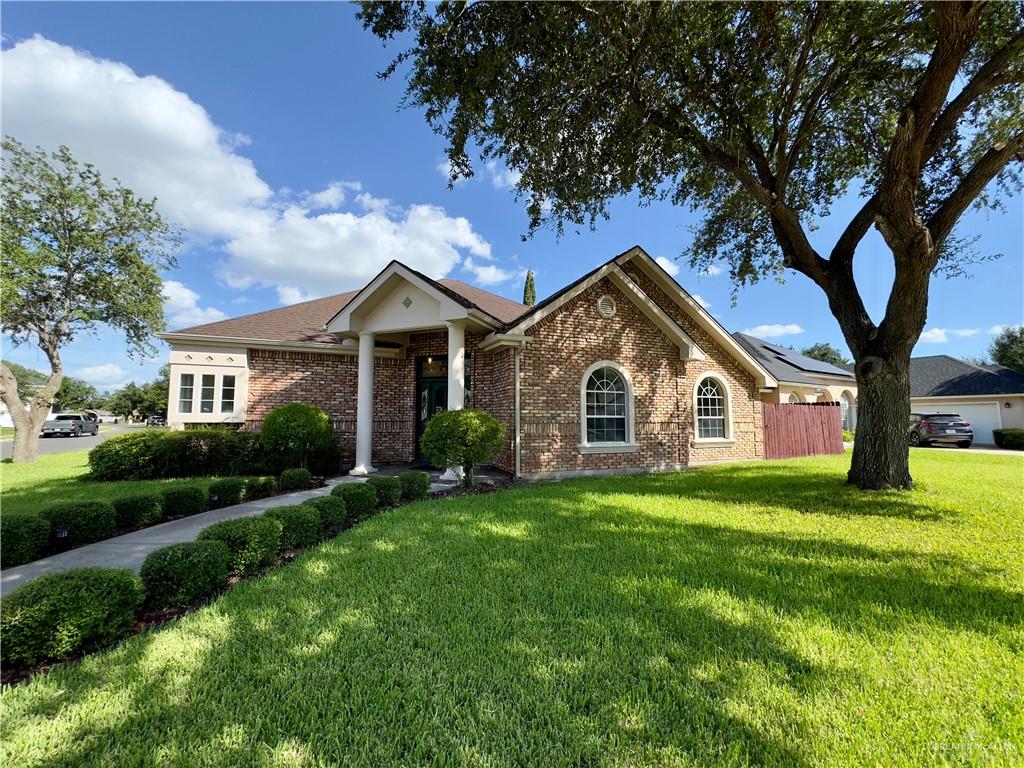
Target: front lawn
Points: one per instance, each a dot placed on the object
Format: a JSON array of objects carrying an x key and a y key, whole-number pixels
[
  {"x": 57, "y": 477},
  {"x": 757, "y": 614}
]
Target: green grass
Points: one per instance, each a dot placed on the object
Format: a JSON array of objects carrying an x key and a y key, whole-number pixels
[
  {"x": 6, "y": 432},
  {"x": 758, "y": 614},
  {"x": 56, "y": 477}
]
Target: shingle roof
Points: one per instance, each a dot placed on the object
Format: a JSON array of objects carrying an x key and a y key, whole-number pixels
[
  {"x": 788, "y": 364},
  {"x": 305, "y": 321},
  {"x": 945, "y": 376}
]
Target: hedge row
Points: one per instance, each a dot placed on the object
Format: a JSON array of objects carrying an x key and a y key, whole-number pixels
[
  {"x": 1011, "y": 439},
  {"x": 59, "y": 615},
  {"x": 26, "y": 536},
  {"x": 158, "y": 454}
]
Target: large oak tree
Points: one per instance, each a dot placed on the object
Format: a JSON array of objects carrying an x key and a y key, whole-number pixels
[
  {"x": 762, "y": 116},
  {"x": 76, "y": 253}
]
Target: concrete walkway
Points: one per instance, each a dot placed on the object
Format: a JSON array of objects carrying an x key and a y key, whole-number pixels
[{"x": 130, "y": 549}]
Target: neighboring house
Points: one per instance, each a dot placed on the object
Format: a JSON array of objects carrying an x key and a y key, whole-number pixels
[
  {"x": 621, "y": 371},
  {"x": 989, "y": 397},
  {"x": 803, "y": 379}
]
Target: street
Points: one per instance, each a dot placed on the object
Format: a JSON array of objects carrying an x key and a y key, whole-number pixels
[{"x": 64, "y": 444}]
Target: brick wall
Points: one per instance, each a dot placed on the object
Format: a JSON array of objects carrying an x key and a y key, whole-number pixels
[{"x": 566, "y": 343}]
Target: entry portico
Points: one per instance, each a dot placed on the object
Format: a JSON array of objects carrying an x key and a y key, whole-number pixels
[{"x": 397, "y": 303}]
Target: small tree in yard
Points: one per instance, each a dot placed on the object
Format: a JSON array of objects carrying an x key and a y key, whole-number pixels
[
  {"x": 761, "y": 115},
  {"x": 463, "y": 438},
  {"x": 294, "y": 432},
  {"x": 75, "y": 253}
]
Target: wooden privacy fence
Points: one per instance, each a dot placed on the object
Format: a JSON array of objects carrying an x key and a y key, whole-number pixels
[{"x": 801, "y": 429}]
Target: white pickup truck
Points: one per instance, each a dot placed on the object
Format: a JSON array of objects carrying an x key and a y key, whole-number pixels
[{"x": 70, "y": 425}]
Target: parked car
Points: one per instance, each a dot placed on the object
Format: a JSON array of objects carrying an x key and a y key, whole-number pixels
[
  {"x": 941, "y": 428},
  {"x": 70, "y": 425},
  {"x": 156, "y": 421}
]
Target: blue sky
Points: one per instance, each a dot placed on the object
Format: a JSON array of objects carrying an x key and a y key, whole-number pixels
[{"x": 267, "y": 136}]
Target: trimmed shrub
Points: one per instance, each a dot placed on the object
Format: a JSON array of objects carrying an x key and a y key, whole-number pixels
[
  {"x": 387, "y": 489},
  {"x": 299, "y": 435},
  {"x": 138, "y": 511},
  {"x": 260, "y": 488},
  {"x": 183, "y": 573},
  {"x": 331, "y": 510},
  {"x": 295, "y": 479},
  {"x": 1011, "y": 439},
  {"x": 462, "y": 438},
  {"x": 60, "y": 614},
  {"x": 155, "y": 454},
  {"x": 74, "y": 523},
  {"x": 226, "y": 492},
  {"x": 360, "y": 499},
  {"x": 252, "y": 541},
  {"x": 300, "y": 524},
  {"x": 415, "y": 485},
  {"x": 23, "y": 536},
  {"x": 184, "y": 501}
]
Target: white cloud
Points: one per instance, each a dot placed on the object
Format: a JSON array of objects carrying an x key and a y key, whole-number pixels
[
  {"x": 289, "y": 295},
  {"x": 181, "y": 304},
  {"x": 712, "y": 271},
  {"x": 503, "y": 177},
  {"x": 487, "y": 274},
  {"x": 333, "y": 195},
  {"x": 701, "y": 300},
  {"x": 995, "y": 330},
  {"x": 162, "y": 144},
  {"x": 773, "y": 329},
  {"x": 941, "y": 335},
  {"x": 104, "y": 376},
  {"x": 669, "y": 265}
]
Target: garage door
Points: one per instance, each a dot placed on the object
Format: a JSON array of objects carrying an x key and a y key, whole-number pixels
[{"x": 983, "y": 417}]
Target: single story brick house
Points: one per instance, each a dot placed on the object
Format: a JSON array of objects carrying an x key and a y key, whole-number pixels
[{"x": 620, "y": 371}]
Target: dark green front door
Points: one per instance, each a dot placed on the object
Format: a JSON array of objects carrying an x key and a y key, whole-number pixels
[{"x": 431, "y": 398}]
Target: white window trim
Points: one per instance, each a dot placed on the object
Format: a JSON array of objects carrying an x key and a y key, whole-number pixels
[
  {"x": 192, "y": 400},
  {"x": 630, "y": 445},
  {"x": 729, "y": 438}
]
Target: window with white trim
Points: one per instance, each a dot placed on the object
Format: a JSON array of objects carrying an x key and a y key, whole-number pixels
[
  {"x": 844, "y": 410},
  {"x": 227, "y": 394},
  {"x": 206, "y": 393},
  {"x": 186, "y": 388},
  {"x": 606, "y": 406},
  {"x": 711, "y": 410},
  {"x": 793, "y": 399}
]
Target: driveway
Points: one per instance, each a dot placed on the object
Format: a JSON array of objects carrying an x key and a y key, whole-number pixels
[
  {"x": 64, "y": 444},
  {"x": 974, "y": 449}
]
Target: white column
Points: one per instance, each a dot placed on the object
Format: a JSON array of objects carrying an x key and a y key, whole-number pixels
[
  {"x": 456, "y": 367},
  {"x": 456, "y": 383},
  {"x": 364, "y": 407}
]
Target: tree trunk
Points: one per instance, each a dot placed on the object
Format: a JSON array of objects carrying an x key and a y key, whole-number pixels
[
  {"x": 28, "y": 422},
  {"x": 880, "y": 451},
  {"x": 26, "y": 437}
]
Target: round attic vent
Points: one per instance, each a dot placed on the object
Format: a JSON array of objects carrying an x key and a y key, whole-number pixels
[{"x": 606, "y": 306}]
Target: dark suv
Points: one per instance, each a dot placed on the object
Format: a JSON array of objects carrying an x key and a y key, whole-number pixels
[{"x": 941, "y": 428}]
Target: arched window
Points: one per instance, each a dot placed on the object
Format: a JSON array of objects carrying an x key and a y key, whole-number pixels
[
  {"x": 712, "y": 409},
  {"x": 606, "y": 395},
  {"x": 793, "y": 399},
  {"x": 844, "y": 410},
  {"x": 606, "y": 407}
]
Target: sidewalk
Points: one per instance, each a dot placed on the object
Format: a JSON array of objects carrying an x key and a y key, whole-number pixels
[{"x": 130, "y": 549}]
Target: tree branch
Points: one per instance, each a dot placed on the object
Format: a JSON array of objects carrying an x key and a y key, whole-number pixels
[
  {"x": 991, "y": 75},
  {"x": 971, "y": 185}
]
